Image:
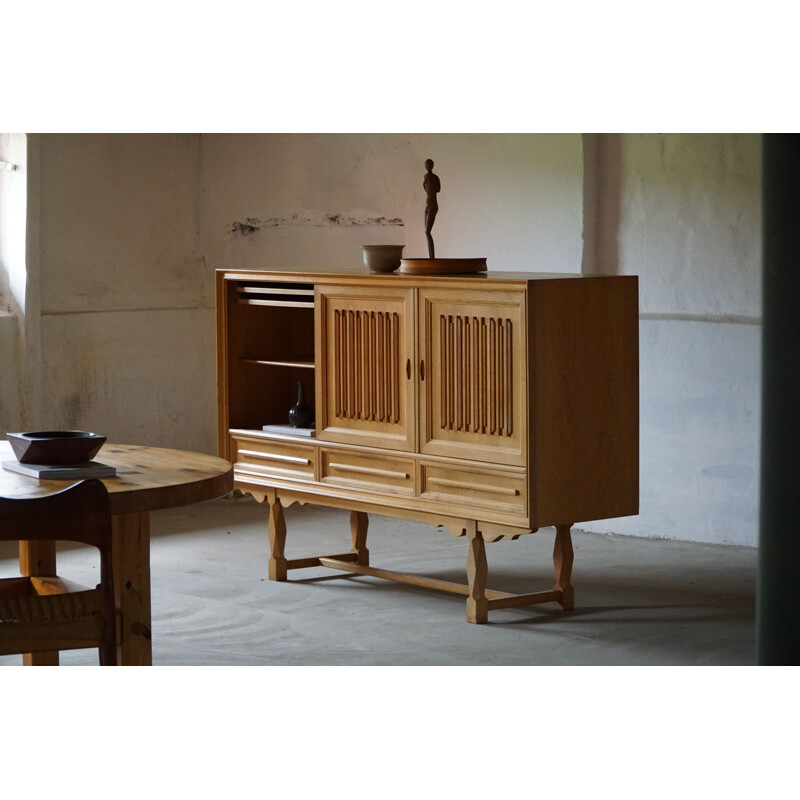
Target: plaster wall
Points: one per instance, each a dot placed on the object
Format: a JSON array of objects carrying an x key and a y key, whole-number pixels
[
  {"x": 13, "y": 208},
  {"x": 131, "y": 228},
  {"x": 682, "y": 211},
  {"x": 9, "y": 362},
  {"x": 314, "y": 199},
  {"x": 127, "y": 321},
  {"x": 689, "y": 224}
]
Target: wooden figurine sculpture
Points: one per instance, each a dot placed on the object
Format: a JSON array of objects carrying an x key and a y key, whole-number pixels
[
  {"x": 432, "y": 265},
  {"x": 432, "y": 186}
]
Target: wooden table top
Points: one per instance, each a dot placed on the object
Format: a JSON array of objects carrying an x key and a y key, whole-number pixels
[{"x": 148, "y": 478}]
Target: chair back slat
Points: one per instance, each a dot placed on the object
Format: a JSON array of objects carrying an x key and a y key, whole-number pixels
[{"x": 39, "y": 615}]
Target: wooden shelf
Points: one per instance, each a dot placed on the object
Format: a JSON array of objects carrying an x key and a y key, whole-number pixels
[
  {"x": 273, "y": 290},
  {"x": 287, "y": 296},
  {"x": 302, "y": 364},
  {"x": 283, "y": 303}
]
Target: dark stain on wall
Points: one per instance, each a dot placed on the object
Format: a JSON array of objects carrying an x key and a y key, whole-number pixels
[{"x": 250, "y": 225}]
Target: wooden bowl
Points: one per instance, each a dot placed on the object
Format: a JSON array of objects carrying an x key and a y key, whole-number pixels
[
  {"x": 62, "y": 448},
  {"x": 442, "y": 266}
]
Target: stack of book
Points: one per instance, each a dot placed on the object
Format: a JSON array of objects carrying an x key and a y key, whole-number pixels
[{"x": 55, "y": 472}]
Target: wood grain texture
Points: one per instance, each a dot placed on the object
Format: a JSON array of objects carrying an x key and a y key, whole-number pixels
[
  {"x": 474, "y": 344},
  {"x": 277, "y": 540},
  {"x": 130, "y": 536},
  {"x": 563, "y": 557},
  {"x": 584, "y": 406},
  {"x": 477, "y": 573},
  {"x": 359, "y": 525},
  {"x": 365, "y": 342},
  {"x": 49, "y": 614},
  {"x": 492, "y": 405},
  {"x": 148, "y": 478}
]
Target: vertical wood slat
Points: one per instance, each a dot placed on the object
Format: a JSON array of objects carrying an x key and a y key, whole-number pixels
[
  {"x": 373, "y": 365},
  {"x": 369, "y": 372},
  {"x": 387, "y": 363},
  {"x": 394, "y": 371},
  {"x": 473, "y": 343},
  {"x": 476, "y": 373},
  {"x": 509, "y": 361},
  {"x": 348, "y": 408},
  {"x": 367, "y": 380},
  {"x": 491, "y": 376},
  {"x": 450, "y": 373},
  {"x": 379, "y": 366},
  {"x": 501, "y": 377},
  {"x": 459, "y": 373},
  {"x": 362, "y": 325},
  {"x": 337, "y": 347},
  {"x": 482, "y": 369},
  {"x": 444, "y": 387}
]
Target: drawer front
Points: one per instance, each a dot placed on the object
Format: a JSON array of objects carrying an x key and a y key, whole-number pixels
[
  {"x": 370, "y": 473},
  {"x": 287, "y": 460},
  {"x": 475, "y": 488}
]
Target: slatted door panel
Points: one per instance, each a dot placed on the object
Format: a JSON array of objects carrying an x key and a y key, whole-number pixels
[
  {"x": 366, "y": 352},
  {"x": 472, "y": 395}
]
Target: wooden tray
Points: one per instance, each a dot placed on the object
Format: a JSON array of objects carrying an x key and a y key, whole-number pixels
[{"x": 441, "y": 266}]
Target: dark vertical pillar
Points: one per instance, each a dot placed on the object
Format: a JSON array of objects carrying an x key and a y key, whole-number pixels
[{"x": 778, "y": 597}]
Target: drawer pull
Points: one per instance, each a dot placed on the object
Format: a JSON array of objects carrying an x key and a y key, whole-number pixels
[
  {"x": 478, "y": 487},
  {"x": 265, "y": 471},
  {"x": 274, "y": 457},
  {"x": 369, "y": 471}
]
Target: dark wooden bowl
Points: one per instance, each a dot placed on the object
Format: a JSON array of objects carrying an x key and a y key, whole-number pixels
[{"x": 62, "y": 448}]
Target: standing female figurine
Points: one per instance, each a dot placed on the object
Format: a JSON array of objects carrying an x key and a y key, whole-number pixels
[{"x": 432, "y": 187}]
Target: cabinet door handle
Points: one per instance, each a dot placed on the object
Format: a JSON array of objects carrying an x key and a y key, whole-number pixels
[
  {"x": 422, "y": 370},
  {"x": 408, "y": 369}
]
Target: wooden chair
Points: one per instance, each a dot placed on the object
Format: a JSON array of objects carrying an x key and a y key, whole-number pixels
[{"x": 46, "y": 614}]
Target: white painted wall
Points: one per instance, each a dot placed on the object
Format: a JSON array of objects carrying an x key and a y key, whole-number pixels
[
  {"x": 515, "y": 199},
  {"x": 689, "y": 224},
  {"x": 126, "y": 306},
  {"x": 130, "y": 229},
  {"x": 13, "y": 274}
]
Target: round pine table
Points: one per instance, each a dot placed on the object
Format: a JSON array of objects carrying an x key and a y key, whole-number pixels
[{"x": 147, "y": 479}]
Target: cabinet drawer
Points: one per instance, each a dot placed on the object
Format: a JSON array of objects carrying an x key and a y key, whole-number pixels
[
  {"x": 372, "y": 473},
  {"x": 464, "y": 486},
  {"x": 274, "y": 457}
]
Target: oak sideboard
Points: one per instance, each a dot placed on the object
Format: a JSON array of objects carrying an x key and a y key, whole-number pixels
[{"x": 492, "y": 405}]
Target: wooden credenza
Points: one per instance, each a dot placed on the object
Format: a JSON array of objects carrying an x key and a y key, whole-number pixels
[{"x": 492, "y": 405}]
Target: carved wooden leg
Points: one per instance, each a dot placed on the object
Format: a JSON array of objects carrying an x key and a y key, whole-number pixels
[
  {"x": 562, "y": 561},
  {"x": 277, "y": 540},
  {"x": 477, "y": 602},
  {"x": 359, "y": 522}
]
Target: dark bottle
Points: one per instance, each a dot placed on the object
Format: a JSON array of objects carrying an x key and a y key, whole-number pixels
[{"x": 300, "y": 414}]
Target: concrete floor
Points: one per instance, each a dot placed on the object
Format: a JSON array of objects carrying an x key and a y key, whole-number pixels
[{"x": 638, "y": 601}]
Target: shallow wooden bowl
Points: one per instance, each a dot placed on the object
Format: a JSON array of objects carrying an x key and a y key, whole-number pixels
[
  {"x": 55, "y": 447},
  {"x": 442, "y": 266}
]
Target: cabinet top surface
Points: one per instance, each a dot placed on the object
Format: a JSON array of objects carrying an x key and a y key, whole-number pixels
[{"x": 360, "y": 273}]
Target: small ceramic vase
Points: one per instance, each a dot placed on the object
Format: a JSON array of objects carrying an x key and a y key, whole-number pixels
[{"x": 300, "y": 414}]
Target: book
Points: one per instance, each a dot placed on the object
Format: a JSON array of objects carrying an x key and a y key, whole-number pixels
[
  {"x": 288, "y": 430},
  {"x": 55, "y": 472}
]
